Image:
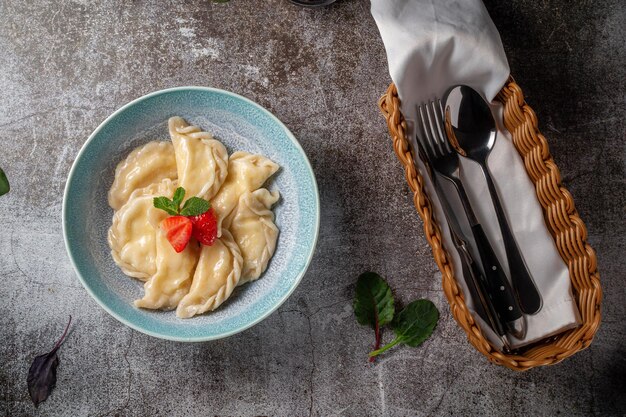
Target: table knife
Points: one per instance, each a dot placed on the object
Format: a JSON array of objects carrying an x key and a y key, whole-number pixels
[{"x": 474, "y": 278}]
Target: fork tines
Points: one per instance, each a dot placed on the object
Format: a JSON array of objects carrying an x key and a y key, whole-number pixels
[{"x": 431, "y": 134}]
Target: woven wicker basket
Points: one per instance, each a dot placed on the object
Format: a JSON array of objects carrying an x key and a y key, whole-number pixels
[{"x": 562, "y": 219}]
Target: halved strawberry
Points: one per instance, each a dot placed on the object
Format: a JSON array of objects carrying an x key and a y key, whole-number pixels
[
  {"x": 205, "y": 227},
  {"x": 178, "y": 231}
]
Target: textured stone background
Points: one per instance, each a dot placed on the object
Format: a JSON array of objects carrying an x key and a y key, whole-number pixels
[{"x": 66, "y": 65}]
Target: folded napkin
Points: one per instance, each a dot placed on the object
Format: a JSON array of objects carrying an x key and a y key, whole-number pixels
[{"x": 432, "y": 45}]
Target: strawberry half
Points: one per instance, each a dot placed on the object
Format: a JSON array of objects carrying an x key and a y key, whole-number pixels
[
  {"x": 205, "y": 227},
  {"x": 178, "y": 231}
]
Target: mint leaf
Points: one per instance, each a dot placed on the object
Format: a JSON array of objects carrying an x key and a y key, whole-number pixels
[
  {"x": 166, "y": 204},
  {"x": 192, "y": 207},
  {"x": 413, "y": 325},
  {"x": 179, "y": 194},
  {"x": 195, "y": 206},
  {"x": 373, "y": 303},
  {"x": 4, "y": 183}
]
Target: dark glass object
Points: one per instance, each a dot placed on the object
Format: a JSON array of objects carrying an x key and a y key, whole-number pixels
[{"x": 312, "y": 3}]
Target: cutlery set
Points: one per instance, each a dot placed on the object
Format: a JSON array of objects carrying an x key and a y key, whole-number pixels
[{"x": 467, "y": 129}]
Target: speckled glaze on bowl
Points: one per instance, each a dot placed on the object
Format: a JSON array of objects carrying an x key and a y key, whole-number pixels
[{"x": 241, "y": 125}]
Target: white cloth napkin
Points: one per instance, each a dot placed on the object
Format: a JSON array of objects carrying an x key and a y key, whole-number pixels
[{"x": 432, "y": 45}]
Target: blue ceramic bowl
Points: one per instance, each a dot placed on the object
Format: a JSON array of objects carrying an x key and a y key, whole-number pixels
[{"x": 241, "y": 125}]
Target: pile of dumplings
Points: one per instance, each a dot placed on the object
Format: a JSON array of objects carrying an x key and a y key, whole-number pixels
[{"x": 200, "y": 278}]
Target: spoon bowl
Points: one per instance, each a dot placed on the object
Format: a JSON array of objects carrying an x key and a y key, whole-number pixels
[{"x": 469, "y": 122}]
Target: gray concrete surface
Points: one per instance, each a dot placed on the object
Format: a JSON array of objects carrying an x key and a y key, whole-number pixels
[{"x": 66, "y": 65}]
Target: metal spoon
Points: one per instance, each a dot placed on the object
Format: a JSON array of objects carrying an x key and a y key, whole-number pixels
[{"x": 472, "y": 131}]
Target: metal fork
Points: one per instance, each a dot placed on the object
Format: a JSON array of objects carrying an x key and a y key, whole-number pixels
[{"x": 445, "y": 162}]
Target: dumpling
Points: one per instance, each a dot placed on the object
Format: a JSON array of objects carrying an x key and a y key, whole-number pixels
[
  {"x": 246, "y": 172},
  {"x": 147, "y": 164},
  {"x": 164, "y": 188},
  {"x": 132, "y": 234},
  {"x": 252, "y": 226},
  {"x": 201, "y": 160},
  {"x": 217, "y": 274},
  {"x": 173, "y": 275}
]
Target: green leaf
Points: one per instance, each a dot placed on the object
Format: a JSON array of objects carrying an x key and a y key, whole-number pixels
[
  {"x": 373, "y": 301},
  {"x": 179, "y": 194},
  {"x": 413, "y": 325},
  {"x": 195, "y": 206},
  {"x": 166, "y": 204},
  {"x": 4, "y": 183},
  {"x": 221, "y": 1},
  {"x": 416, "y": 322}
]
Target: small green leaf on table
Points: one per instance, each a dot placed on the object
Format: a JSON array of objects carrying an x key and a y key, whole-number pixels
[
  {"x": 413, "y": 325},
  {"x": 373, "y": 303},
  {"x": 4, "y": 183}
]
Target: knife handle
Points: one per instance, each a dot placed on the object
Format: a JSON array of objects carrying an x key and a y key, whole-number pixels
[
  {"x": 473, "y": 285},
  {"x": 498, "y": 285},
  {"x": 486, "y": 303}
]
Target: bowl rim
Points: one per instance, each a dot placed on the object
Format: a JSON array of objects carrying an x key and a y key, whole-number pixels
[{"x": 158, "y": 335}]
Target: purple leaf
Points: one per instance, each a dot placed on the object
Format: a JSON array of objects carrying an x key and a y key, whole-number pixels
[{"x": 42, "y": 375}]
